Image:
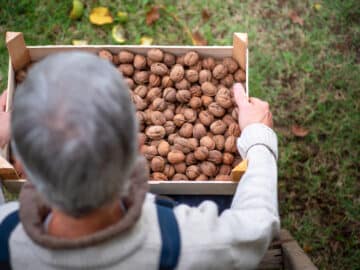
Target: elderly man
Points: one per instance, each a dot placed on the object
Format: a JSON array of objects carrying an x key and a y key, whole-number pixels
[{"x": 87, "y": 205}]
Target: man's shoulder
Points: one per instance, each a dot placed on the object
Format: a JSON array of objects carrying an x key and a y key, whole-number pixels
[{"x": 7, "y": 208}]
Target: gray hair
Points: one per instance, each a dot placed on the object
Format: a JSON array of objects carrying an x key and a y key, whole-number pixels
[{"x": 75, "y": 131}]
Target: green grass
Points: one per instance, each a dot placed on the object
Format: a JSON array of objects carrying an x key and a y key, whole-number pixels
[{"x": 309, "y": 73}]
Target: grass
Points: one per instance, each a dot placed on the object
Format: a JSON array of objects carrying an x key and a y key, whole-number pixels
[{"x": 309, "y": 73}]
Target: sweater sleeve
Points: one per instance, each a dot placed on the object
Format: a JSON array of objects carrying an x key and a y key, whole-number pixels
[{"x": 240, "y": 236}]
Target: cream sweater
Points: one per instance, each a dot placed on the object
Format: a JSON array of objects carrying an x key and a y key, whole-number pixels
[{"x": 237, "y": 239}]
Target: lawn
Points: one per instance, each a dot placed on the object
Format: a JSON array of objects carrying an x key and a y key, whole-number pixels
[{"x": 304, "y": 59}]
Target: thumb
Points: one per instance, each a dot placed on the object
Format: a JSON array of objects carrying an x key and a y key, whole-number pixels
[{"x": 239, "y": 93}]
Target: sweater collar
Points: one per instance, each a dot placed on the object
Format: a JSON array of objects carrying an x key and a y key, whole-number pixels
[{"x": 34, "y": 210}]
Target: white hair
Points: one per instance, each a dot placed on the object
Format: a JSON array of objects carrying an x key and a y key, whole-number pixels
[{"x": 74, "y": 130}]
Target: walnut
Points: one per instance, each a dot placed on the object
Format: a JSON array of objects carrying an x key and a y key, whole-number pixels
[
  {"x": 197, "y": 67},
  {"x": 153, "y": 93},
  {"x": 180, "y": 167},
  {"x": 126, "y": 57},
  {"x": 228, "y": 119},
  {"x": 223, "y": 98},
  {"x": 182, "y": 84},
  {"x": 158, "y": 176},
  {"x": 180, "y": 109},
  {"x": 230, "y": 144},
  {"x": 140, "y": 104},
  {"x": 191, "y": 75},
  {"x": 190, "y": 159},
  {"x": 169, "y": 170},
  {"x": 193, "y": 143},
  {"x": 115, "y": 59},
  {"x": 205, "y": 76},
  {"x": 166, "y": 82},
  {"x": 202, "y": 177},
  {"x": 142, "y": 139},
  {"x": 180, "y": 60},
  {"x": 193, "y": 172},
  {"x": 219, "y": 142},
  {"x": 175, "y": 156},
  {"x": 139, "y": 61},
  {"x": 159, "y": 69},
  {"x": 228, "y": 158},
  {"x": 199, "y": 131},
  {"x": 157, "y": 118},
  {"x": 240, "y": 75},
  {"x": 182, "y": 144},
  {"x": 169, "y": 94},
  {"x": 201, "y": 153},
  {"x": 180, "y": 176},
  {"x": 141, "y": 91},
  {"x": 215, "y": 156},
  {"x": 141, "y": 117},
  {"x": 206, "y": 101},
  {"x": 149, "y": 62},
  {"x": 171, "y": 106},
  {"x": 155, "y": 132},
  {"x": 148, "y": 113},
  {"x": 233, "y": 130},
  {"x": 214, "y": 81},
  {"x": 228, "y": 80},
  {"x": 206, "y": 118},
  {"x": 207, "y": 142},
  {"x": 216, "y": 110},
  {"x": 130, "y": 83},
  {"x": 195, "y": 90},
  {"x": 155, "y": 55},
  {"x": 218, "y": 127},
  {"x": 177, "y": 73},
  {"x": 186, "y": 130},
  {"x": 141, "y": 77},
  {"x": 219, "y": 71},
  {"x": 168, "y": 114},
  {"x": 190, "y": 115},
  {"x": 183, "y": 96},
  {"x": 208, "y": 63},
  {"x": 171, "y": 138},
  {"x": 179, "y": 120},
  {"x": 126, "y": 69},
  {"x": 169, "y": 59},
  {"x": 231, "y": 64},
  {"x": 155, "y": 143},
  {"x": 221, "y": 177},
  {"x": 169, "y": 127},
  {"x": 154, "y": 80},
  {"x": 159, "y": 104},
  {"x": 235, "y": 114},
  {"x": 208, "y": 89},
  {"x": 149, "y": 151},
  {"x": 195, "y": 103},
  {"x": 208, "y": 168},
  {"x": 225, "y": 170},
  {"x": 157, "y": 164},
  {"x": 106, "y": 55},
  {"x": 191, "y": 58}
]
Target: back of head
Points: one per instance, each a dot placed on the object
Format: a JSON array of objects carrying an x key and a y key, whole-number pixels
[{"x": 74, "y": 130}]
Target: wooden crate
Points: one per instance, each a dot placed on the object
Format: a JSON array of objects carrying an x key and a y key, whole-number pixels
[{"x": 21, "y": 55}]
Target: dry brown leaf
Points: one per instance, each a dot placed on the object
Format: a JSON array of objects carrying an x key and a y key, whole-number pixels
[
  {"x": 307, "y": 248},
  {"x": 205, "y": 14},
  {"x": 198, "y": 39},
  {"x": 299, "y": 131},
  {"x": 152, "y": 15},
  {"x": 295, "y": 18}
]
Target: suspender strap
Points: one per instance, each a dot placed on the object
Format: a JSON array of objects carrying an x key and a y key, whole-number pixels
[
  {"x": 170, "y": 236},
  {"x": 6, "y": 228}
]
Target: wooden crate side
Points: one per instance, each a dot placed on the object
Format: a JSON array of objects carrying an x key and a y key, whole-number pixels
[{"x": 18, "y": 52}]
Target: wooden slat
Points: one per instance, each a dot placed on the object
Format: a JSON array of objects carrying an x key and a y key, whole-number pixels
[
  {"x": 18, "y": 52},
  {"x": 7, "y": 171},
  {"x": 14, "y": 186},
  {"x": 240, "y": 44}
]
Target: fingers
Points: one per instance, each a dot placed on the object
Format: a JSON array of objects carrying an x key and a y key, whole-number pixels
[
  {"x": 240, "y": 96},
  {"x": 257, "y": 101}
]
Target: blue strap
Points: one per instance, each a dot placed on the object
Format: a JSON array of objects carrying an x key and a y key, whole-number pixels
[
  {"x": 170, "y": 236},
  {"x": 6, "y": 228}
]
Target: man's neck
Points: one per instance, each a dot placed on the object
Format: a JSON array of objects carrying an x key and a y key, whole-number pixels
[{"x": 64, "y": 226}]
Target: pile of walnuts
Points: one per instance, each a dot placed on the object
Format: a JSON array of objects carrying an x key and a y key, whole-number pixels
[{"x": 186, "y": 112}]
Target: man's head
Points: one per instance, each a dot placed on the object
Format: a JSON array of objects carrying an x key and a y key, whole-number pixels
[{"x": 74, "y": 129}]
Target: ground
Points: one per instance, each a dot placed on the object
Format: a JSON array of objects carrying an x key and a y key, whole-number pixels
[{"x": 304, "y": 59}]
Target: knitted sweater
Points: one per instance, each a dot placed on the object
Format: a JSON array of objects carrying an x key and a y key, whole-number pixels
[{"x": 236, "y": 239}]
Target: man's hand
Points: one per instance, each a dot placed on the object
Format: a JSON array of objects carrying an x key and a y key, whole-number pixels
[
  {"x": 4, "y": 121},
  {"x": 251, "y": 110}
]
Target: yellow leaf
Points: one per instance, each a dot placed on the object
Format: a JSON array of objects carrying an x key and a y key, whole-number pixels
[
  {"x": 118, "y": 33},
  {"x": 78, "y": 42},
  {"x": 123, "y": 16},
  {"x": 239, "y": 170},
  {"x": 77, "y": 10},
  {"x": 317, "y": 6},
  {"x": 145, "y": 40},
  {"x": 100, "y": 16}
]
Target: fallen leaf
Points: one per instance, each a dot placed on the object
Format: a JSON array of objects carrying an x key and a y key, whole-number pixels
[
  {"x": 317, "y": 6},
  {"x": 299, "y": 131},
  {"x": 152, "y": 15},
  {"x": 79, "y": 42},
  {"x": 295, "y": 18},
  {"x": 118, "y": 33},
  {"x": 77, "y": 10},
  {"x": 205, "y": 14},
  {"x": 198, "y": 39},
  {"x": 122, "y": 16},
  {"x": 307, "y": 248},
  {"x": 145, "y": 40},
  {"x": 100, "y": 16}
]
